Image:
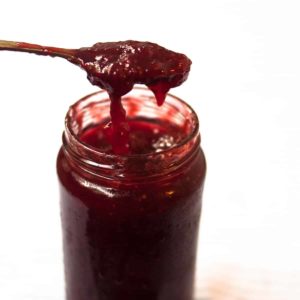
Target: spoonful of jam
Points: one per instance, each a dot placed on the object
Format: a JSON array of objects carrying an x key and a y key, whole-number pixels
[{"x": 116, "y": 67}]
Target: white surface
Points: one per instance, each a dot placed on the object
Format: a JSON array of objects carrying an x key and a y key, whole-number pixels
[{"x": 244, "y": 85}]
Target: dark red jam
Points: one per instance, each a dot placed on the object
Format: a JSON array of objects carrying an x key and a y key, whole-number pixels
[
  {"x": 117, "y": 66},
  {"x": 144, "y": 137},
  {"x": 130, "y": 223}
]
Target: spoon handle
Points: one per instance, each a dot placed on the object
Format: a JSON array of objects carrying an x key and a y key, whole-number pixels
[{"x": 37, "y": 49}]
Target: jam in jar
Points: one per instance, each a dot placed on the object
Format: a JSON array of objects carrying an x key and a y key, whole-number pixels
[{"x": 130, "y": 222}]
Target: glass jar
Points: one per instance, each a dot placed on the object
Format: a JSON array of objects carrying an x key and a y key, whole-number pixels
[{"x": 130, "y": 223}]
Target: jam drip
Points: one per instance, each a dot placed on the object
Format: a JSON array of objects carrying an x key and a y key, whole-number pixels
[{"x": 117, "y": 131}]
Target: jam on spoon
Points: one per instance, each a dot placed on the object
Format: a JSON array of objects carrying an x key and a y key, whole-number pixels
[{"x": 116, "y": 67}]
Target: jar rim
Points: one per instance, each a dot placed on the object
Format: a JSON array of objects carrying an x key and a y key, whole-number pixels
[{"x": 96, "y": 151}]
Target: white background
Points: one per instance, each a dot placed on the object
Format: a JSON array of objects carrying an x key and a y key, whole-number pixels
[{"x": 244, "y": 84}]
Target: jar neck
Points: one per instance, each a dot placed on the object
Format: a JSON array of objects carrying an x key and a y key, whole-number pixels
[{"x": 94, "y": 109}]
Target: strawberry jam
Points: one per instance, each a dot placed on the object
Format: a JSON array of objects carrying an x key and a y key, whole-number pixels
[{"x": 130, "y": 222}]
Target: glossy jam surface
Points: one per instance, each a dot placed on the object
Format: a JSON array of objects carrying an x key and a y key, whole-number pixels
[
  {"x": 129, "y": 237},
  {"x": 117, "y": 66}
]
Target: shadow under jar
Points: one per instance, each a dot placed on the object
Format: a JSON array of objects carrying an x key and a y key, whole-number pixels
[{"x": 130, "y": 223}]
